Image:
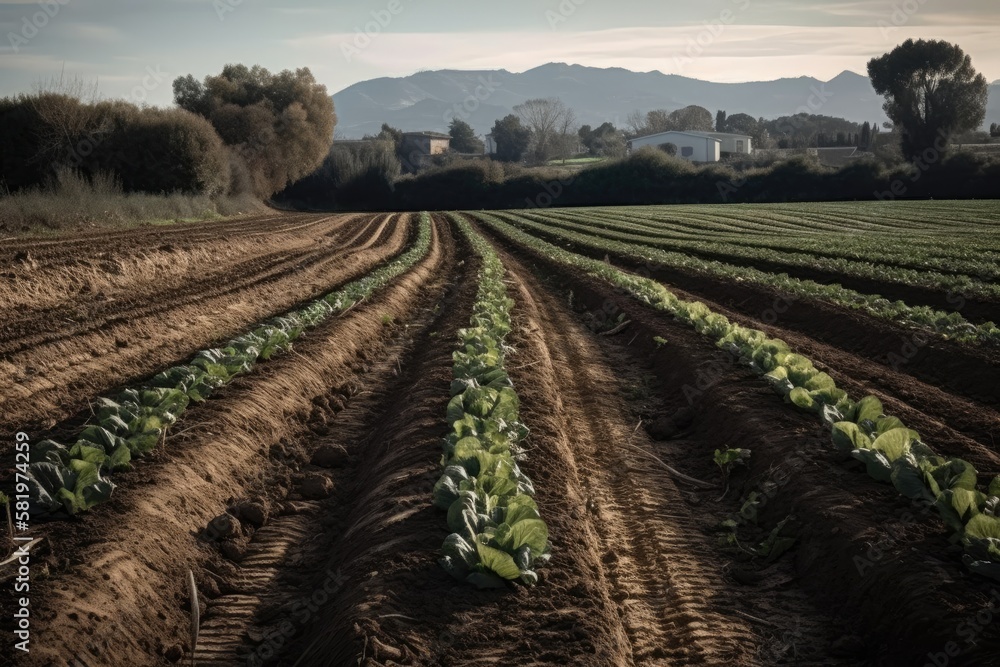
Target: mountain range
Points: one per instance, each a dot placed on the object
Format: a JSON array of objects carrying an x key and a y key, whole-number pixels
[{"x": 429, "y": 100}]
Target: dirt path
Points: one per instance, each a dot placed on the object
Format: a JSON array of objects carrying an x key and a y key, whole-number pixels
[
  {"x": 55, "y": 369},
  {"x": 114, "y": 593}
]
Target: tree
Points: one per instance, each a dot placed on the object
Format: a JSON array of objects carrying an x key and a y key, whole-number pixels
[
  {"x": 865, "y": 138},
  {"x": 605, "y": 141},
  {"x": 279, "y": 126},
  {"x": 512, "y": 139},
  {"x": 635, "y": 123},
  {"x": 463, "y": 138},
  {"x": 995, "y": 130},
  {"x": 932, "y": 92},
  {"x": 720, "y": 121},
  {"x": 549, "y": 121},
  {"x": 693, "y": 118}
]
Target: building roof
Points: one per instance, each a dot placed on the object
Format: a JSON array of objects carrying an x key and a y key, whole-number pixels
[
  {"x": 687, "y": 134},
  {"x": 432, "y": 135},
  {"x": 721, "y": 134}
]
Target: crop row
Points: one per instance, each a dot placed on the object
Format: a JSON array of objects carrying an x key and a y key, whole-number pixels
[
  {"x": 497, "y": 532},
  {"x": 74, "y": 478},
  {"x": 782, "y": 253},
  {"x": 949, "y": 325},
  {"x": 935, "y": 260},
  {"x": 890, "y": 451},
  {"x": 969, "y": 218}
]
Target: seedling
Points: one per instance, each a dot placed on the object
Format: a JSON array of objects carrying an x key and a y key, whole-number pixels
[
  {"x": 727, "y": 460},
  {"x": 660, "y": 341}
]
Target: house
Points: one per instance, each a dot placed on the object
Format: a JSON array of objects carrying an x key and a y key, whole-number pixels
[
  {"x": 426, "y": 143},
  {"x": 731, "y": 143},
  {"x": 690, "y": 146}
]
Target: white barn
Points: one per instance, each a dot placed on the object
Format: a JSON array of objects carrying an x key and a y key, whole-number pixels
[
  {"x": 690, "y": 146},
  {"x": 731, "y": 143}
]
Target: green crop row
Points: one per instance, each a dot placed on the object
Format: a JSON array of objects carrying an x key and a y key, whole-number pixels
[
  {"x": 75, "y": 478},
  {"x": 948, "y": 325},
  {"x": 619, "y": 228},
  {"x": 497, "y": 532},
  {"x": 960, "y": 259},
  {"x": 891, "y": 452}
]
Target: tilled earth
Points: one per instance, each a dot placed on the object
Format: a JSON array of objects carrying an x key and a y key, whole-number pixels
[{"x": 325, "y": 459}]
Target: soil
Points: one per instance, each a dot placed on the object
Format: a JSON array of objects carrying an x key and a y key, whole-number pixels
[
  {"x": 299, "y": 496},
  {"x": 57, "y": 357}
]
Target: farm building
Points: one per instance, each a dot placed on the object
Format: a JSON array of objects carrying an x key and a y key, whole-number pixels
[
  {"x": 690, "y": 146},
  {"x": 731, "y": 143},
  {"x": 426, "y": 143}
]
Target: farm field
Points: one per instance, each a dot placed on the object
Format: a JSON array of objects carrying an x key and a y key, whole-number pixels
[{"x": 742, "y": 435}]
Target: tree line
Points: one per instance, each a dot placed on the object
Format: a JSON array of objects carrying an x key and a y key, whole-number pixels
[{"x": 244, "y": 130}]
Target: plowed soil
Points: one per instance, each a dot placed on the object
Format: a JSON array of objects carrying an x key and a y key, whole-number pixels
[
  {"x": 101, "y": 323},
  {"x": 887, "y": 569},
  {"x": 299, "y": 496}
]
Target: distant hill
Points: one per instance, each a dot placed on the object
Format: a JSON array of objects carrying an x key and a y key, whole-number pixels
[{"x": 426, "y": 100}]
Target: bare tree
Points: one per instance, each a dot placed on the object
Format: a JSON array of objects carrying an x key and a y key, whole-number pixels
[
  {"x": 549, "y": 121},
  {"x": 635, "y": 124}
]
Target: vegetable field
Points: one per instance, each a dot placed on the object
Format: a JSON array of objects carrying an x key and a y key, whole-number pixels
[{"x": 688, "y": 435}]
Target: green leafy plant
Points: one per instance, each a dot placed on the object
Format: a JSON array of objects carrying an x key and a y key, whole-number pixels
[
  {"x": 727, "y": 459},
  {"x": 497, "y": 532},
  {"x": 660, "y": 341}
]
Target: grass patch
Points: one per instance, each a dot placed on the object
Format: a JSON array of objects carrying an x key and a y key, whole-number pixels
[{"x": 72, "y": 201}]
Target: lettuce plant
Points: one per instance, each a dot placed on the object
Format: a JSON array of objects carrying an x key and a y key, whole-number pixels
[{"x": 497, "y": 534}]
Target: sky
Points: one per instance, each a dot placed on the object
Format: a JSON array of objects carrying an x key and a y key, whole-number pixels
[{"x": 133, "y": 49}]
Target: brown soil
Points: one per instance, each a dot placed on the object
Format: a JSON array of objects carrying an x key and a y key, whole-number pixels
[
  {"x": 56, "y": 359},
  {"x": 335, "y": 562},
  {"x": 114, "y": 593}
]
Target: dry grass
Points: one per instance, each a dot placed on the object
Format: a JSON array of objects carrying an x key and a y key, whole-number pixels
[{"x": 72, "y": 201}]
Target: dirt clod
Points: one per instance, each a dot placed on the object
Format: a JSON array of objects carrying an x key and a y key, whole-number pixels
[
  {"x": 174, "y": 653},
  {"x": 316, "y": 487},
  {"x": 233, "y": 550},
  {"x": 330, "y": 456},
  {"x": 251, "y": 513},
  {"x": 223, "y": 526}
]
